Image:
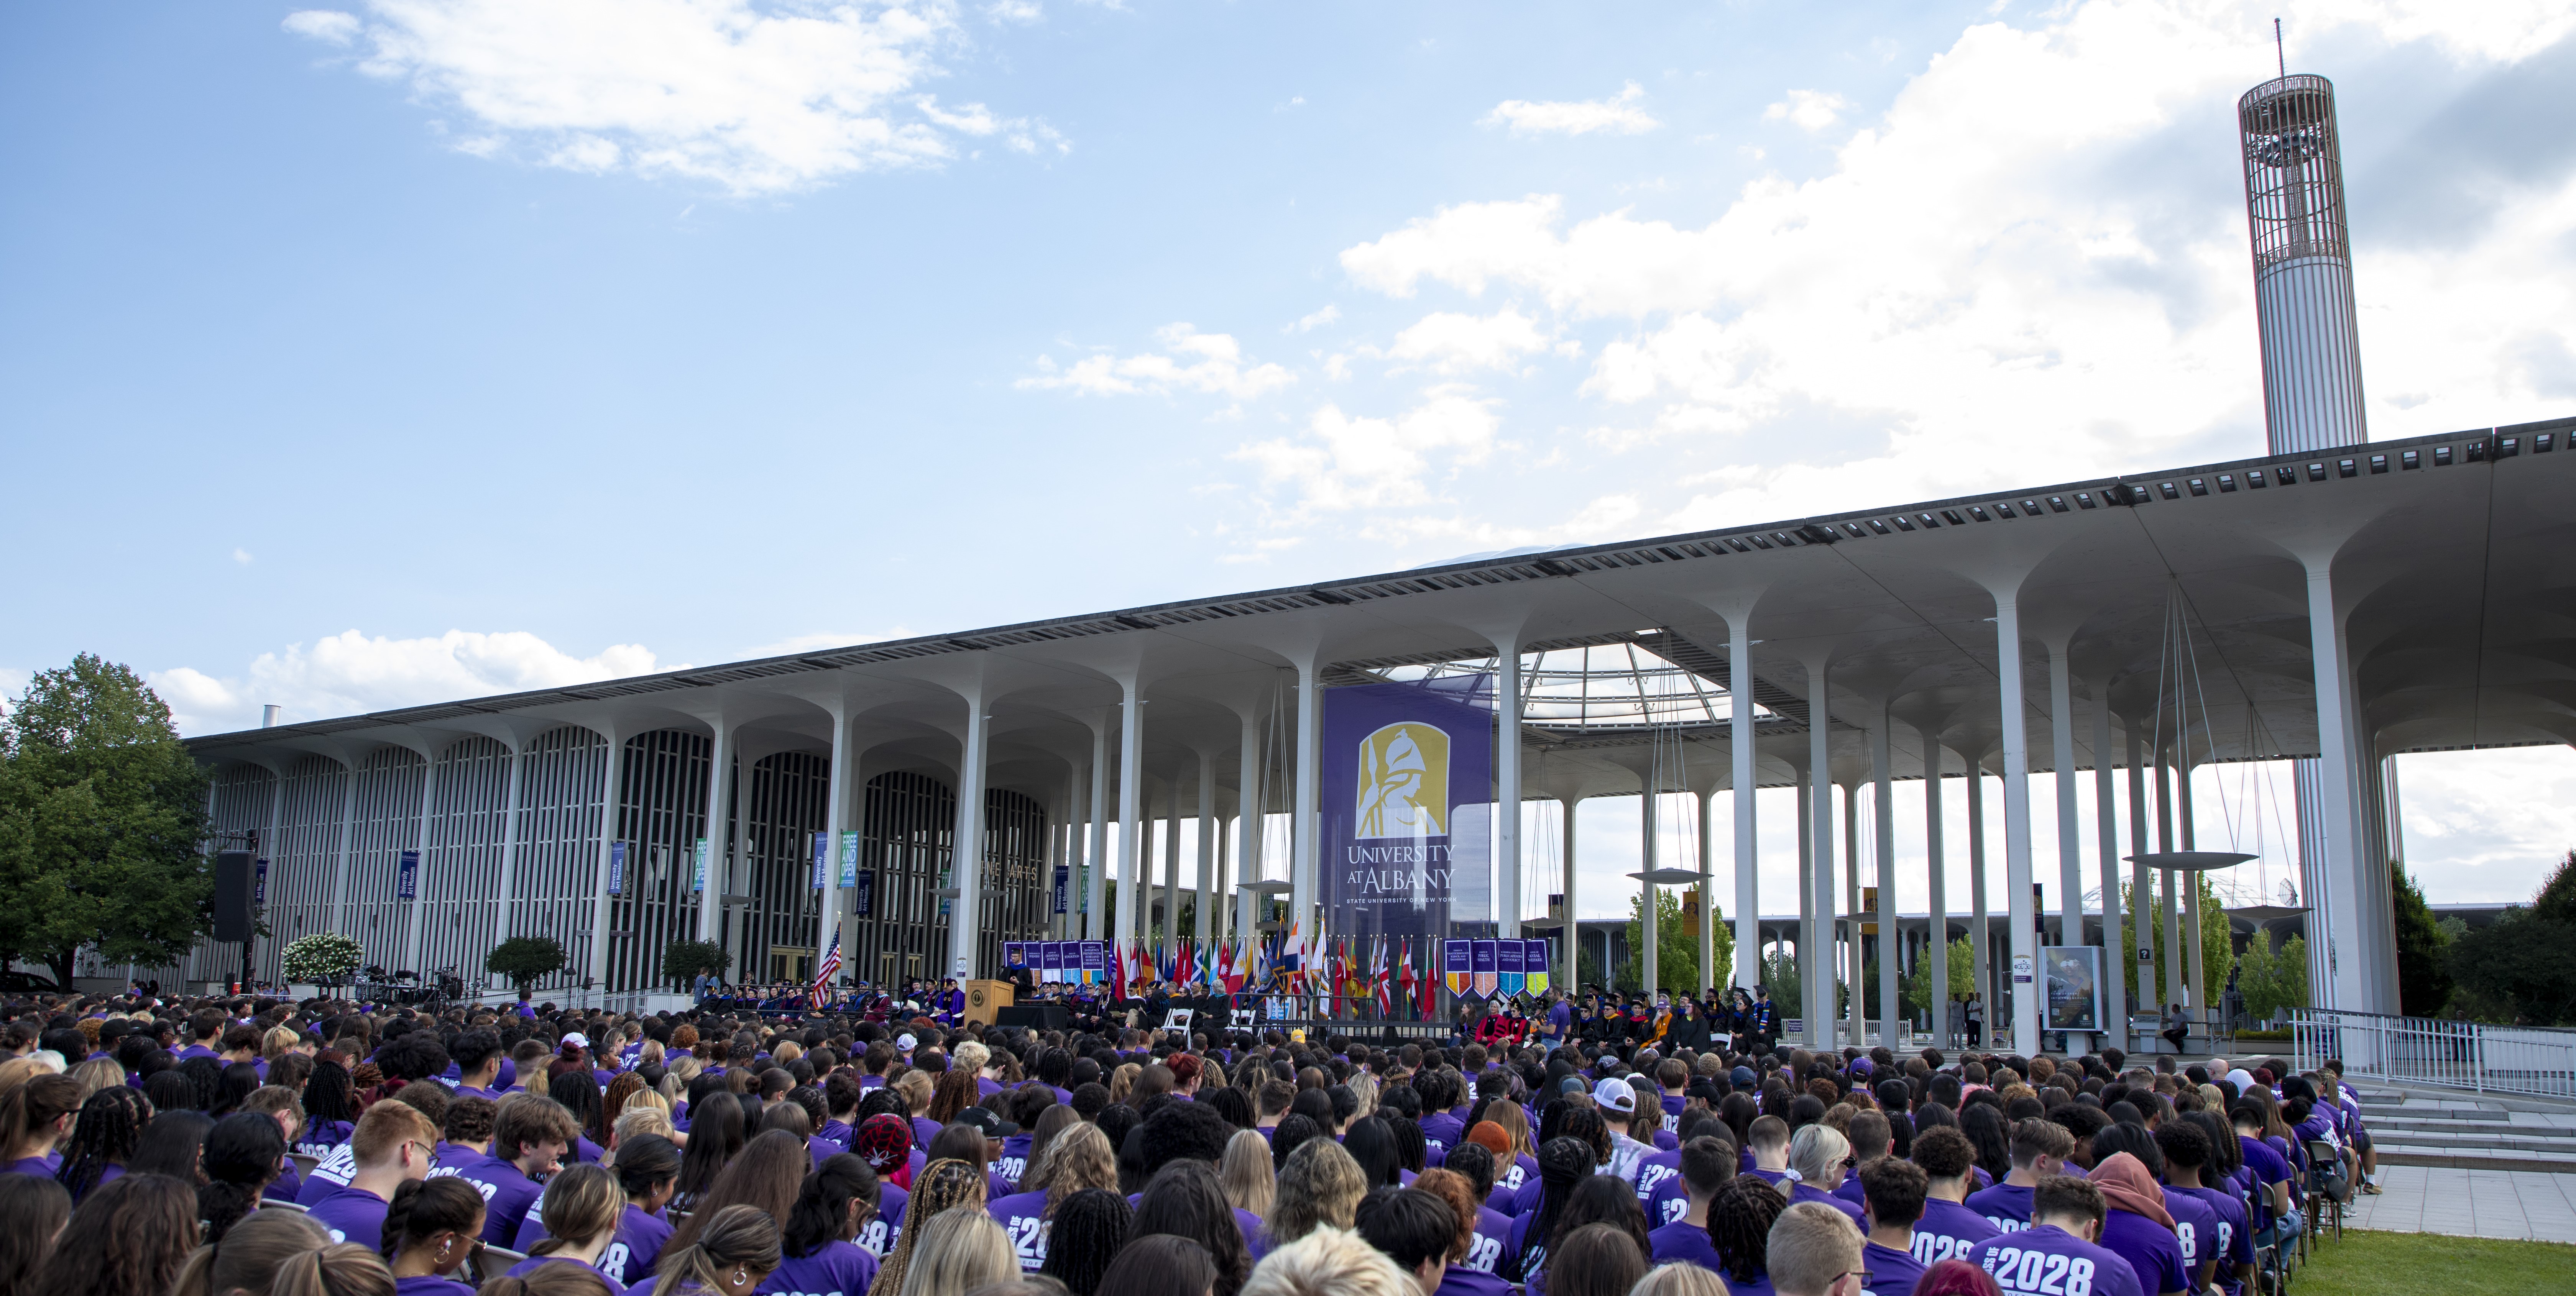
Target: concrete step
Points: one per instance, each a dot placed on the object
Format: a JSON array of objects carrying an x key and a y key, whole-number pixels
[{"x": 2476, "y": 1158}]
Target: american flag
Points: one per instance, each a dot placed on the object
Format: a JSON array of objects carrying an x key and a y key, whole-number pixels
[{"x": 831, "y": 967}]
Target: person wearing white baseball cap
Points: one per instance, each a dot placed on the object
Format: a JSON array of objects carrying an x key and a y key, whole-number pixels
[
  {"x": 1618, "y": 1103},
  {"x": 903, "y": 1046}
]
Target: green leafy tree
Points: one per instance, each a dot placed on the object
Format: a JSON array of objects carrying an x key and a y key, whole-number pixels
[
  {"x": 2423, "y": 959},
  {"x": 2521, "y": 960},
  {"x": 2271, "y": 980},
  {"x": 1963, "y": 977},
  {"x": 2217, "y": 947},
  {"x": 1676, "y": 950},
  {"x": 683, "y": 960},
  {"x": 525, "y": 959},
  {"x": 1788, "y": 989},
  {"x": 102, "y": 824}
]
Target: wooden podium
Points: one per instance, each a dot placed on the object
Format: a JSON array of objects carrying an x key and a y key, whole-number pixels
[{"x": 984, "y": 998}]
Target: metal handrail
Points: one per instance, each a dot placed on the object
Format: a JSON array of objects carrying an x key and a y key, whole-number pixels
[{"x": 2475, "y": 1056}]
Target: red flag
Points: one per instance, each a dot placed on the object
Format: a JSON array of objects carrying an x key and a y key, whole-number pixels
[
  {"x": 1379, "y": 980},
  {"x": 1117, "y": 975},
  {"x": 1427, "y": 987}
]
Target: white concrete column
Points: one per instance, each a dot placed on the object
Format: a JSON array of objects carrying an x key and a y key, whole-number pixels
[
  {"x": 1647, "y": 928},
  {"x": 1131, "y": 790},
  {"x": 1855, "y": 965},
  {"x": 506, "y": 894},
  {"x": 2188, "y": 951},
  {"x": 836, "y": 820},
  {"x": 1247, "y": 851},
  {"x": 719, "y": 832},
  {"x": 2169, "y": 924},
  {"x": 345, "y": 919},
  {"x": 420, "y": 884},
  {"x": 1305, "y": 827},
  {"x": 1095, "y": 853},
  {"x": 1171, "y": 888},
  {"x": 1936, "y": 877},
  {"x": 611, "y": 788},
  {"x": 2017, "y": 863},
  {"x": 2115, "y": 945},
  {"x": 1748, "y": 879},
  {"x": 2070, "y": 834},
  {"x": 1507, "y": 781},
  {"x": 966, "y": 872},
  {"x": 1707, "y": 894},
  {"x": 1817, "y": 906},
  {"x": 1882, "y": 762},
  {"x": 1572, "y": 929},
  {"x": 2142, "y": 894},
  {"x": 1980, "y": 935},
  {"x": 1206, "y": 847}
]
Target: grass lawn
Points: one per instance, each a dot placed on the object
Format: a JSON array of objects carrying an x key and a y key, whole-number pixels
[{"x": 2370, "y": 1263}]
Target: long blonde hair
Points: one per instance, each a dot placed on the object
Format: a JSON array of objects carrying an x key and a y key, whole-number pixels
[
  {"x": 961, "y": 1249},
  {"x": 1319, "y": 1188},
  {"x": 1079, "y": 1157},
  {"x": 1250, "y": 1183},
  {"x": 941, "y": 1185}
]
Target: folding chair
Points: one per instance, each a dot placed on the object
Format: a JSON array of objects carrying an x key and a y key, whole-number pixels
[{"x": 494, "y": 1262}]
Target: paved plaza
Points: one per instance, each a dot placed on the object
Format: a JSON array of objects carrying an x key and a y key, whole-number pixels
[{"x": 2525, "y": 1205}]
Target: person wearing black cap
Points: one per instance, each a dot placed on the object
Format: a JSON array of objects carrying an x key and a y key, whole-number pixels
[{"x": 994, "y": 1129}]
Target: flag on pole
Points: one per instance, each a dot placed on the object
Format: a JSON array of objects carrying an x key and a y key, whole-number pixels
[
  {"x": 829, "y": 968},
  {"x": 1378, "y": 980},
  {"x": 1117, "y": 974},
  {"x": 1404, "y": 973},
  {"x": 1426, "y": 987}
]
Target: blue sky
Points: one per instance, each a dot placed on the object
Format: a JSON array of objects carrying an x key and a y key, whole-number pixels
[{"x": 353, "y": 357}]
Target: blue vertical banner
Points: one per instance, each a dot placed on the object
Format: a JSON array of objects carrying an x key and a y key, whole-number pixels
[
  {"x": 698, "y": 867},
  {"x": 822, "y": 859},
  {"x": 1488, "y": 973},
  {"x": 617, "y": 868},
  {"x": 407, "y": 877},
  {"x": 1063, "y": 884},
  {"x": 1534, "y": 966},
  {"x": 259, "y": 882},
  {"x": 1507, "y": 966},
  {"x": 863, "y": 892},
  {"x": 849, "y": 857},
  {"x": 1095, "y": 962},
  {"x": 1407, "y": 803}
]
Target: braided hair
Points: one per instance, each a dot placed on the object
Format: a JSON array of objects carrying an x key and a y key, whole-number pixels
[
  {"x": 243, "y": 1153},
  {"x": 1563, "y": 1162},
  {"x": 941, "y": 1184},
  {"x": 1739, "y": 1226},
  {"x": 110, "y": 1128},
  {"x": 1091, "y": 1226},
  {"x": 327, "y": 1095}
]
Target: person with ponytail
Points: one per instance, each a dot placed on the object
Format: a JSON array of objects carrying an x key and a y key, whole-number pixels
[
  {"x": 103, "y": 1138},
  {"x": 581, "y": 1207},
  {"x": 280, "y": 1253},
  {"x": 433, "y": 1228},
  {"x": 1563, "y": 1163},
  {"x": 648, "y": 1169},
  {"x": 819, "y": 1254},
  {"x": 35, "y": 1117},
  {"x": 243, "y": 1152},
  {"x": 942, "y": 1184},
  {"x": 732, "y": 1255}
]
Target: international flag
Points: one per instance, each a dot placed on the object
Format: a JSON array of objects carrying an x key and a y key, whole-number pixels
[
  {"x": 1379, "y": 980},
  {"x": 1117, "y": 974},
  {"x": 828, "y": 969},
  {"x": 1426, "y": 987},
  {"x": 1404, "y": 973}
]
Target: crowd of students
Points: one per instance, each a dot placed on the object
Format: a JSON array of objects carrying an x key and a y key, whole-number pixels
[{"x": 319, "y": 1149}]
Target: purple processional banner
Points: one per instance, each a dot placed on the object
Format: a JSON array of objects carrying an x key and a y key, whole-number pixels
[{"x": 1407, "y": 798}]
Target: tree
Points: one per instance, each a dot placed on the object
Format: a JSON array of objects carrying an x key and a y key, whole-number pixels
[
  {"x": 683, "y": 960},
  {"x": 102, "y": 824},
  {"x": 1788, "y": 990},
  {"x": 2271, "y": 980},
  {"x": 2423, "y": 962},
  {"x": 2217, "y": 947},
  {"x": 1963, "y": 978},
  {"x": 524, "y": 959},
  {"x": 1676, "y": 950},
  {"x": 2521, "y": 959}
]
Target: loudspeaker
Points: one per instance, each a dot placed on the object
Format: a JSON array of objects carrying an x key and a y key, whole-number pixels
[
  {"x": 232, "y": 895},
  {"x": 1035, "y": 1016}
]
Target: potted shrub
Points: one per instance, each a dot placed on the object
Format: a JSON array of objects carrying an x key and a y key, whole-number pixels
[{"x": 524, "y": 959}]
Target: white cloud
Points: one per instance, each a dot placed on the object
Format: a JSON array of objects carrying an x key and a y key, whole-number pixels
[
  {"x": 1810, "y": 109},
  {"x": 1344, "y": 463},
  {"x": 242, "y": 556},
  {"x": 1618, "y": 114},
  {"x": 1455, "y": 343},
  {"x": 330, "y": 26},
  {"x": 1316, "y": 320},
  {"x": 2488, "y": 825},
  {"x": 1974, "y": 283},
  {"x": 1191, "y": 361},
  {"x": 351, "y": 673},
  {"x": 757, "y": 99}
]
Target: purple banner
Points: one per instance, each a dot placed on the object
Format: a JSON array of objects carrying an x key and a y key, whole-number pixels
[
  {"x": 1407, "y": 800},
  {"x": 1507, "y": 966},
  {"x": 1488, "y": 976}
]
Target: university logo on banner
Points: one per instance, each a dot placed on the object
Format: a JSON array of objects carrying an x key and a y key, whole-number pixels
[
  {"x": 1488, "y": 968},
  {"x": 1534, "y": 965},
  {"x": 1456, "y": 965},
  {"x": 1407, "y": 771},
  {"x": 1404, "y": 783},
  {"x": 1507, "y": 966}
]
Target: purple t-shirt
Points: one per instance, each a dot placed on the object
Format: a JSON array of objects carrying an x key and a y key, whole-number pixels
[
  {"x": 1021, "y": 1216},
  {"x": 1013, "y": 1164},
  {"x": 2233, "y": 1242},
  {"x": 1653, "y": 1171},
  {"x": 351, "y": 1215},
  {"x": 534, "y": 1263},
  {"x": 2049, "y": 1261},
  {"x": 878, "y": 1236},
  {"x": 2006, "y": 1206},
  {"x": 1442, "y": 1130},
  {"x": 835, "y": 1269},
  {"x": 1810, "y": 1193},
  {"x": 1682, "y": 1242},
  {"x": 2195, "y": 1228},
  {"x": 1462, "y": 1281},
  {"x": 430, "y": 1285},
  {"x": 630, "y": 1255},
  {"x": 1492, "y": 1242},
  {"x": 508, "y": 1195},
  {"x": 2151, "y": 1249},
  {"x": 1891, "y": 1272},
  {"x": 1949, "y": 1231}
]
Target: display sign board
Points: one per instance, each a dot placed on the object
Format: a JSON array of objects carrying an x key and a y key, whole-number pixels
[
  {"x": 617, "y": 868},
  {"x": 1407, "y": 797},
  {"x": 407, "y": 878},
  {"x": 2075, "y": 999}
]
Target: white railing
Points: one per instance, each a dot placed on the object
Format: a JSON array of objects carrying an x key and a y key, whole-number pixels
[{"x": 2429, "y": 1051}]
